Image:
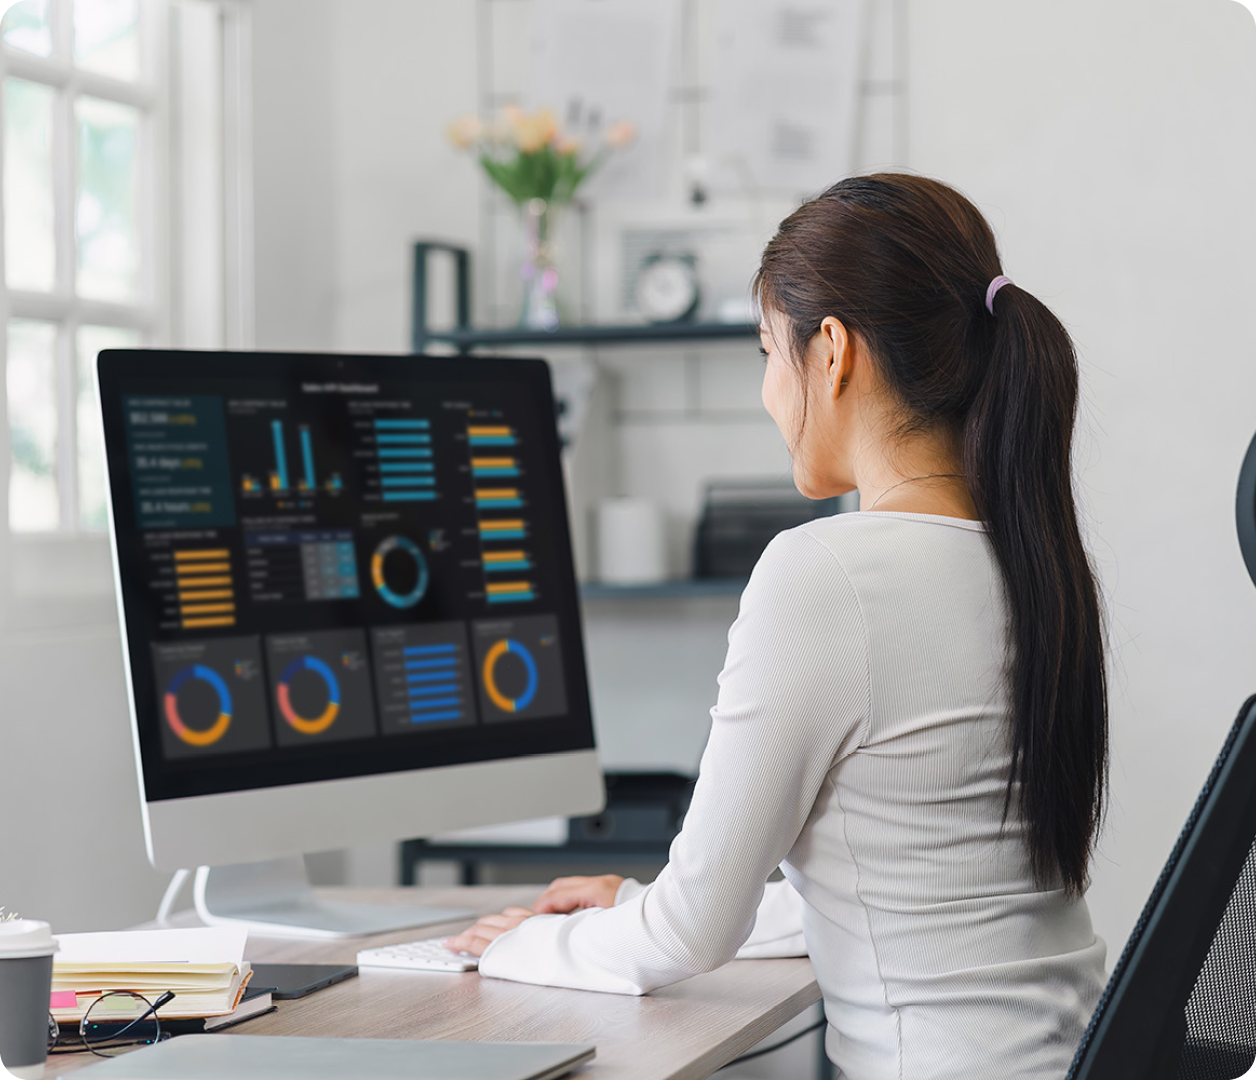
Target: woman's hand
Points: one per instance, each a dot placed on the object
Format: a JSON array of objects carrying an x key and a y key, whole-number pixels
[
  {"x": 475, "y": 939},
  {"x": 563, "y": 895},
  {"x": 567, "y": 894}
]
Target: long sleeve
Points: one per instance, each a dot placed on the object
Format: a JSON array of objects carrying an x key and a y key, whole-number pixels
[
  {"x": 777, "y": 930},
  {"x": 793, "y": 700}
]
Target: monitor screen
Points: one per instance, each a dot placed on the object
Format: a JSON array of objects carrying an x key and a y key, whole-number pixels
[{"x": 337, "y": 566}]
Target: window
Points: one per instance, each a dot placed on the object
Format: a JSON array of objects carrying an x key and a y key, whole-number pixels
[{"x": 124, "y": 216}]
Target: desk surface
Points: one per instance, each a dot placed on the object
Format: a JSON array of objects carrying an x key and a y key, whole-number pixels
[{"x": 685, "y": 1032}]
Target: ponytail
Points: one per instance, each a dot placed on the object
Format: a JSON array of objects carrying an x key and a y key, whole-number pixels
[
  {"x": 1017, "y": 441},
  {"x": 909, "y": 265}
]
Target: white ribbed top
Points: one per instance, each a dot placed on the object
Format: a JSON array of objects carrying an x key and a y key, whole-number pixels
[{"x": 860, "y": 741}]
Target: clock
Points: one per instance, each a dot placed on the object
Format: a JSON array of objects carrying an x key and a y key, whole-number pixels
[{"x": 666, "y": 288}]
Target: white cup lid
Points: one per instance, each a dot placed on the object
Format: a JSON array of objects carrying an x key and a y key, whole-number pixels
[{"x": 26, "y": 937}]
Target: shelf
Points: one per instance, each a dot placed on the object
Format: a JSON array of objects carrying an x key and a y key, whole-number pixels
[
  {"x": 690, "y": 589},
  {"x": 652, "y": 333}
]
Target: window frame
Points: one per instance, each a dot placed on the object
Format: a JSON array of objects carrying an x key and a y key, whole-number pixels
[{"x": 64, "y": 576}]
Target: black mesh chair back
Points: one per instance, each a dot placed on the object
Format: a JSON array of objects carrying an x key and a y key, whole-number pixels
[{"x": 1181, "y": 1003}]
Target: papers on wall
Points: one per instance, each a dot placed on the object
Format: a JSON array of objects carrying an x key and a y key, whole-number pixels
[
  {"x": 605, "y": 61},
  {"x": 784, "y": 79}
]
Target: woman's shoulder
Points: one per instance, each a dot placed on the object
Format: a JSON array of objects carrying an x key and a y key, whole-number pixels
[
  {"x": 848, "y": 535},
  {"x": 852, "y": 545}
]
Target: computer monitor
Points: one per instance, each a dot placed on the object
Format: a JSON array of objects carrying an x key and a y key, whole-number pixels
[{"x": 348, "y": 609}]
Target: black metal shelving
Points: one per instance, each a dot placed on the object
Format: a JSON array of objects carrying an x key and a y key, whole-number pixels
[{"x": 464, "y": 337}]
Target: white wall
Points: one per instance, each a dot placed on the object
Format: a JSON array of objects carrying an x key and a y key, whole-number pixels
[
  {"x": 1112, "y": 146},
  {"x": 294, "y": 160}
]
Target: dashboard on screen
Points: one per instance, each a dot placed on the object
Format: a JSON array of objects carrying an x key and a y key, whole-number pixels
[{"x": 337, "y": 566}]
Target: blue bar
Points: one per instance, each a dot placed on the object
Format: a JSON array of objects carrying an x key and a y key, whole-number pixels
[
  {"x": 433, "y": 676},
  {"x": 281, "y": 461},
  {"x": 403, "y": 438},
  {"x": 436, "y": 703},
  {"x": 491, "y": 440},
  {"x": 410, "y": 496},
  {"x": 428, "y": 691},
  {"x": 427, "y": 718},
  {"x": 428, "y": 650},
  {"x": 406, "y": 466},
  {"x": 408, "y": 481},
  {"x": 307, "y": 452},
  {"x": 499, "y": 504},
  {"x": 511, "y": 597},
  {"x": 518, "y": 564},
  {"x": 427, "y": 665},
  {"x": 421, "y": 425},
  {"x": 386, "y": 451},
  {"x": 503, "y": 534},
  {"x": 503, "y": 470}
]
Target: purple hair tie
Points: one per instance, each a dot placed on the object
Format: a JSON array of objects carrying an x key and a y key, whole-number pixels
[{"x": 993, "y": 288}]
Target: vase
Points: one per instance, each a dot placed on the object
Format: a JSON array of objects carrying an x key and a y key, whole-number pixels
[{"x": 538, "y": 271}]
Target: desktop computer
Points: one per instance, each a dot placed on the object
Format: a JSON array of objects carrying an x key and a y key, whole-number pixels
[{"x": 349, "y": 612}]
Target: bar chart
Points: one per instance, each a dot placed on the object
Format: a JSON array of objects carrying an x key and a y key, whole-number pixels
[
  {"x": 204, "y": 588},
  {"x": 423, "y": 676},
  {"x": 286, "y": 474},
  {"x": 497, "y": 491},
  {"x": 405, "y": 469}
]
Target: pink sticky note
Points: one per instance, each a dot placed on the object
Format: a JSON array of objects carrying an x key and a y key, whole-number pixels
[{"x": 63, "y": 999}]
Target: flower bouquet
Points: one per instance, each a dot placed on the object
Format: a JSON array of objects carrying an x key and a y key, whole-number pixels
[{"x": 539, "y": 166}]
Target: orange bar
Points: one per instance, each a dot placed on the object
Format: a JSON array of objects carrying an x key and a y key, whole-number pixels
[
  {"x": 204, "y": 568},
  {"x": 492, "y": 462},
  {"x": 202, "y": 582},
  {"x": 490, "y": 526},
  {"x": 215, "y": 553},
  {"x": 206, "y": 609},
  {"x": 217, "y": 620},
  {"x": 208, "y": 594},
  {"x": 497, "y": 493},
  {"x": 511, "y": 586},
  {"x": 504, "y": 556},
  {"x": 489, "y": 431}
]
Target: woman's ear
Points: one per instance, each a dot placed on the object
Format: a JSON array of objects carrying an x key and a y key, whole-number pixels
[{"x": 837, "y": 354}]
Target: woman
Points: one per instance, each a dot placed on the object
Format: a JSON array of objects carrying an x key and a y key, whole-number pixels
[{"x": 912, "y": 717}]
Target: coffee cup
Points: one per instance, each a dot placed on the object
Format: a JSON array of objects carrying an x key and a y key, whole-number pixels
[{"x": 26, "y": 948}]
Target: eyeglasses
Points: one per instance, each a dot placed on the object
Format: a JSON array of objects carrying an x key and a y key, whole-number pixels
[{"x": 117, "y": 1021}]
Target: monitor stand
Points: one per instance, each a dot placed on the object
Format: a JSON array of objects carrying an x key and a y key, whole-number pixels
[{"x": 276, "y": 898}]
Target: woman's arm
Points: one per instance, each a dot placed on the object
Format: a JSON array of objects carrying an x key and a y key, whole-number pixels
[{"x": 793, "y": 700}]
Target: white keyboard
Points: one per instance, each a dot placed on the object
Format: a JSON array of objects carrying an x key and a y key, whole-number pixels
[{"x": 426, "y": 955}]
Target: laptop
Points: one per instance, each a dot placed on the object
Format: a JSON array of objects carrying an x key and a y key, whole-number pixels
[{"x": 283, "y": 1057}]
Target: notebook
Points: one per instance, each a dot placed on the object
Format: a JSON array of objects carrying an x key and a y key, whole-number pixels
[
  {"x": 283, "y": 1057},
  {"x": 205, "y": 967}
]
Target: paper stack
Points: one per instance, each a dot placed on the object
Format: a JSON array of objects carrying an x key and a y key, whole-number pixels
[{"x": 205, "y": 968}]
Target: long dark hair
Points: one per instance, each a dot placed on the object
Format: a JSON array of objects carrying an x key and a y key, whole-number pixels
[{"x": 904, "y": 262}]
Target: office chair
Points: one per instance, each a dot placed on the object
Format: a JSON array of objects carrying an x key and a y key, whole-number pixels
[{"x": 1181, "y": 1003}]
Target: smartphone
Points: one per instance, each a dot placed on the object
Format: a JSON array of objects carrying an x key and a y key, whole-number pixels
[{"x": 296, "y": 980}]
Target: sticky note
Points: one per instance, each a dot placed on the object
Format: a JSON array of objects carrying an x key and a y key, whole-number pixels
[{"x": 63, "y": 999}]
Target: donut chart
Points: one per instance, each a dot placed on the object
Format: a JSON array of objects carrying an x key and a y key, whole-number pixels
[
  {"x": 386, "y": 592},
  {"x": 308, "y": 725},
  {"x": 495, "y": 653},
  {"x": 193, "y": 736}
]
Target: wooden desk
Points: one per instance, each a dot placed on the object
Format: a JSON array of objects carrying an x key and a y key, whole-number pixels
[{"x": 682, "y": 1032}]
